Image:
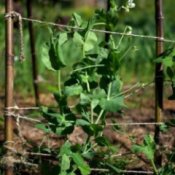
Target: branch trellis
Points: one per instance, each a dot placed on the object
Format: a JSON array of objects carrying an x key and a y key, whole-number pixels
[{"x": 13, "y": 112}]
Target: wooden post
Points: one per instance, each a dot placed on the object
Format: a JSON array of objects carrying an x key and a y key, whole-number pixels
[
  {"x": 9, "y": 78},
  {"x": 158, "y": 76},
  {"x": 33, "y": 53}
]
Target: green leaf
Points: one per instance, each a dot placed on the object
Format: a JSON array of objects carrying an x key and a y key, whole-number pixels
[
  {"x": 45, "y": 57},
  {"x": 116, "y": 87},
  {"x": 65, "y": 124},
  {"x": 102, "y": 141},
  {"x": 147, "y": 148},
  {"x": 77, "y": 19},
  {"x": 78, "y": 38},
  {"x": 82, "y": 165},
  {"x": 92, "y": 129},
  {"x": 71, "y": 51},
  {"x": 84, "y": 99},
  {"x": 62, "y": 38},
  {"x": 65, "y": 149},
  {"x": 82, "y": 122},
  {"x": 64, "y": 130},
  {"x": 168, "y": 62},
  {"x": 103, "y": 52},
  {"x": 98, "y": 94},
  {"x": 113, "y": 104},
  {"x": 94, "y": 103},
  {"x": 65, "y": 163},
  {"x": 166, "y": 58},
  {"x": 54, "y": 59},
  {"x": 84, "y": 78},
  {"x": 73, "y": 90},
  {"x": 49, "y": 114},
  {"x": 90, "y": 41}
]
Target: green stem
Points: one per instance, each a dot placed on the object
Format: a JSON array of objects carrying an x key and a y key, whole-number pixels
[
  {"x": 87, "y": 84},
  {"x": 109, "y": 91},
  {"x": 108, "y": 98},
  {"x": 119, "y": 43},
  {"x": 135, "y": 88},
  {"x": 59, "y": 81},
  {"x": 129, "y": 89},
  {"x": 154, "y": 167},
  {"x": 93, "y": 146},
  {"x": 88, "y": 67},
  {"x": 100, "y": 24},
  {"x": 99, "y": 116}
]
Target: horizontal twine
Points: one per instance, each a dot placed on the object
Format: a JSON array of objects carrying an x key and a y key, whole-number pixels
[
  {"x": 24, "y": 153},
  {"x": 161, "y": 39},
  {"x": 100, "y": 31},
  {"x": 10, "y": 161},
  {"x": 135, "y": 123},
  {"x": 18, "y": 116},
  {"x": 122, "y": 171},
  {"x": 24, "y": 162},
  {"x": 107, "y": 124},
  {"x": 21, "y": 108}
]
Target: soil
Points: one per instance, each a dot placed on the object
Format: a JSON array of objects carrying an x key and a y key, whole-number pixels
[{"x": 140, "y": 109}]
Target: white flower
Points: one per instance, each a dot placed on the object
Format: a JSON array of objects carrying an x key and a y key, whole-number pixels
[{"x": 131, "y": 4}]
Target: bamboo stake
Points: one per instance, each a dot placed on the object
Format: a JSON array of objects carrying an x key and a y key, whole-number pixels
[
  {"x": 33, "y": 52},
  {"x": 9, "y": 79},
  {"x": 158, "y": 76}
]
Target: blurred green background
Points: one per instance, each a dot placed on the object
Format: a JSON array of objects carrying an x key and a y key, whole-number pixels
[{"x": 139, "y": 65}]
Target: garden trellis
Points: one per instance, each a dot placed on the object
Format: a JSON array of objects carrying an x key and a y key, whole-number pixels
[{"x": 12, "y": 111}]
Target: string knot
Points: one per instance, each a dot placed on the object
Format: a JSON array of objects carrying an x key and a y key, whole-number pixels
[
  {"x": 13, "y": 14},
  {"x": 17, "y": 17}
]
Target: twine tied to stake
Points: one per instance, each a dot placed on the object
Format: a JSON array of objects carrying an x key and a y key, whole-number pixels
[{"x": 17, "y": 17}]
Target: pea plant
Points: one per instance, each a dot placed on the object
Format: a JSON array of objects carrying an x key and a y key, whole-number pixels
[
  {"x": 91, "y": 89},
  {"x": 148, "y": 148}
]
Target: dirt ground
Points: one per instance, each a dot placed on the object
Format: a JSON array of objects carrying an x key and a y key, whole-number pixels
[{"x": 140, "y": 109}]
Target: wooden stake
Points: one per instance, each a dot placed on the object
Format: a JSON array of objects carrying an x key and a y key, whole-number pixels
[
  {"x": 33, "y": 53},
  {"x": 158, "y": 76},
  {"x": 9, "y": 79}
]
